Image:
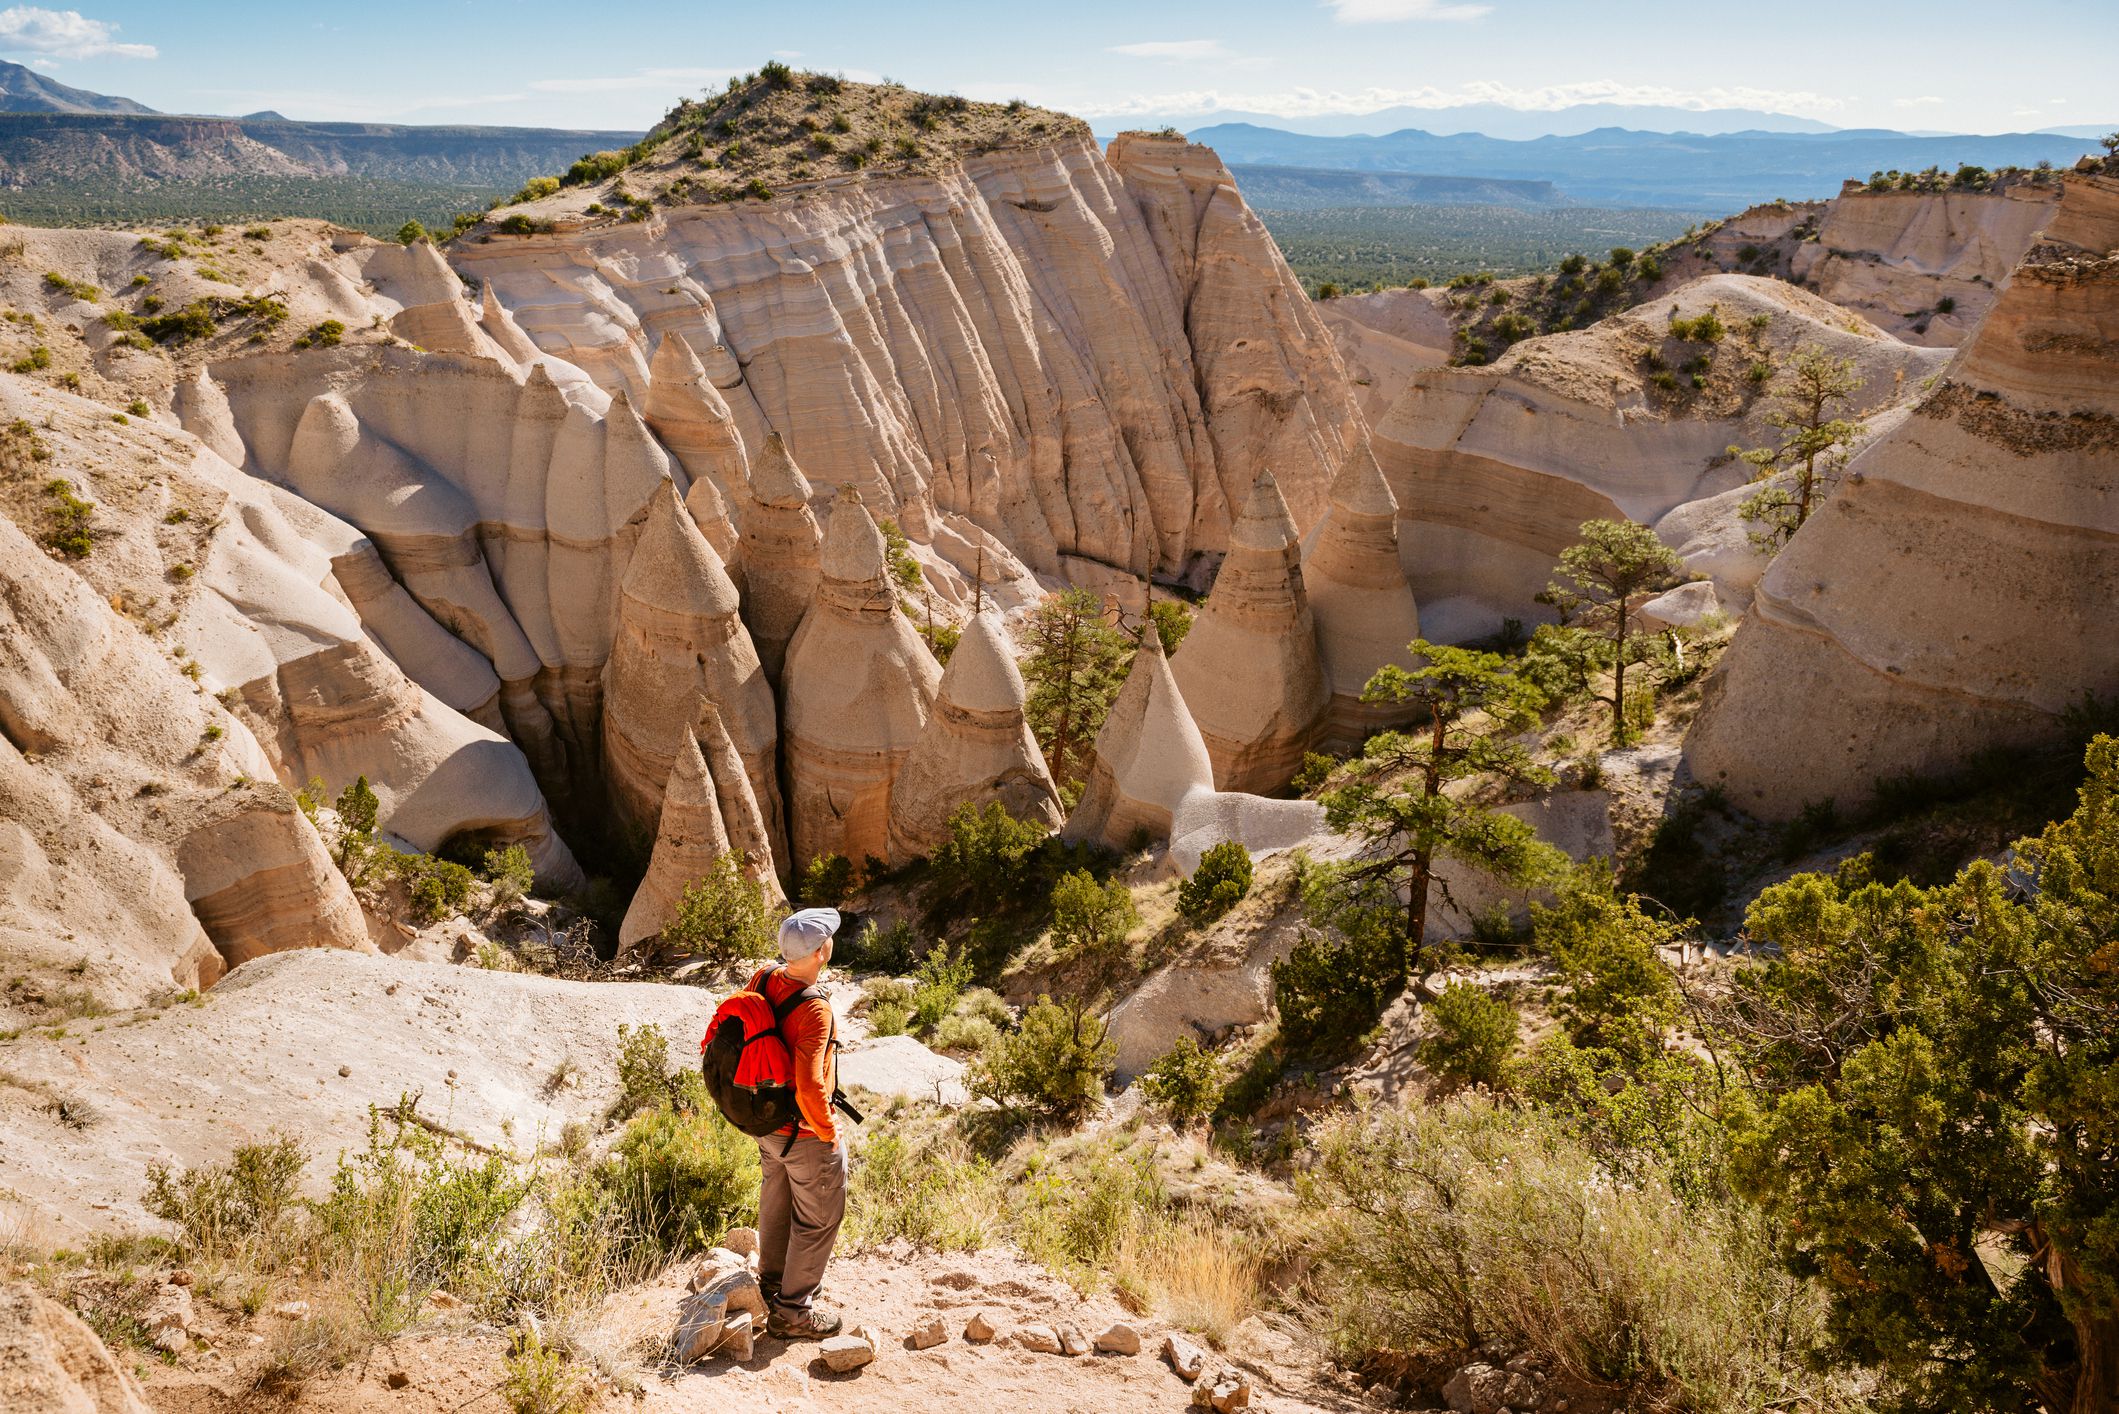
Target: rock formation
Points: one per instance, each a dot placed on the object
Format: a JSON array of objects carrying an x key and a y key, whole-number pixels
[
  {"x": 1495, "y": 468},
  {"x": 693, "y": 420},
  {"x": 1088, "y": 359},
  {"x": 1250, "y": 666},
  {"x": 976, "y": 749},
  {"x": 780, "y": 541},
  {"x": 1958, "y": 592},
  {"x": 52, "y": 1363},
  {"x": 689, "y": 841},
  {"x": 679, "y": 635},
  {"x": 1360, "y": 600},
  {"x": 1147, "y": 759},
  {"x": 859, "y": 686}
]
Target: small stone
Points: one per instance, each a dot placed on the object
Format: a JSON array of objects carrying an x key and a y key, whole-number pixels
[
  {"x": 344, "y": 1071},
  {"x": 1039, "y": 1338},
  {"x": 737, "y": 1334},
  {"x": 980, "y": 1328},
  {"x": 736, "y": 1289},
  {"x": 180, "y": 1277},
  {"x": 1119, "y": 1339},
  {"x": 1072, "y": 1341},
  {"x": 743, "y": 1241},
  {"x": 1187, "y": 1359},
  {"x": 292, "y": 1310},
  {"x": 846, "y": 1352},
  {"x": 1229, "y": 1393},
  {"x": 1484, "y": 1389},
  {"x": 700, "y": 1326},
  {"x": 929, "y": 1332},
  {"x": 397, "y": 1379},
  {"x": 717, "y": 1263}
]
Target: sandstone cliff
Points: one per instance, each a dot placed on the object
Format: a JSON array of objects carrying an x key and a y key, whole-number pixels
[{"x": 1958, "y": 592}]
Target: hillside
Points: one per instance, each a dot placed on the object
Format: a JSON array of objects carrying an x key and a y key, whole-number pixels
[{"x": 24, "y": 90}]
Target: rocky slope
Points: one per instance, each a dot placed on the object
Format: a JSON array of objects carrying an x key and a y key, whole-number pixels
[
  {"x": 1495, "y": 467},
  {"x": 1957, "y": 593}
]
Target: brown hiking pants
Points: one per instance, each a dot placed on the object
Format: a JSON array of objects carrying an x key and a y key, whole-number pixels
[{"x": 800, "y": 1203}]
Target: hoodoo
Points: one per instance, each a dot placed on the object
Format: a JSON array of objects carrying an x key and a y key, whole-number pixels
[
  {"x": 859, "y": 686},
  {"x": 1957, "y": 593},
  {"x": 692, "y": 418},
  {"x": 678, "y": 634},
  {"x": 977, "y": 748},
  {"x": 1148, "y": 758},
  {"x": 754, "y": 834},
  {"x": 690, "y": 840},
  {"x": 1250, "y": 666},
  {"x": 1360, "y": 599},
  {"x": 780, "y": 546}
]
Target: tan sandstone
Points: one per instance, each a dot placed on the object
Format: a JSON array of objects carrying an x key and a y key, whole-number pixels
[{"x": 1360, "y": 599}]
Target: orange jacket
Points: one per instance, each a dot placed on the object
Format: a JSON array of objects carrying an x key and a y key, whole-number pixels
[{"x": 808, "y": 1033}]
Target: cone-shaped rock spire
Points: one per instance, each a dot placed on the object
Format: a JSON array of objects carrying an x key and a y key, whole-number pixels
[
  {"x": 750, "y": 832},
  {"x": 1360, "y": 599},
  {"x": 780, "y": 543},
  {"x": 977, "y": 748},
  {"x": 692, "y": 418},
  {"x": 1250, "y": 667},
  {"x": 1149, "y": 758},
  {"x": 677, "y": 626},
  {"x": 690, "y": 839},
  {"x": 859, "y": 685}
]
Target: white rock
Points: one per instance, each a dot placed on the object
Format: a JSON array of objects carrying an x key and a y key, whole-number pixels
[
  {"x": 848, "y": 1352},
  {"x": 1187, "y": 1359},
  {"x": 1683, "y": 607},
  {"x": 737, "y": 1333},
  {"x": 929, "y": 1332},
  {"x": 1072, "y": 1341},
  {"x": 1119, "y": 1339},
  {"x": 1039, "y": 1338}
]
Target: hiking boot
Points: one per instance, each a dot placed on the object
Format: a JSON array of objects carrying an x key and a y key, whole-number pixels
[{"x": 817, "y": 1323}]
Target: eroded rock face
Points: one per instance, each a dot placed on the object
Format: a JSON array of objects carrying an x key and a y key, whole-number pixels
[
  {"x": 1896, "y": 258},
  {"x": 1250, "y": 668},
  {"x": 1361, "y": 601},
  {"x": 51, "y": 1363},
  {"x": 859, "y": 687},
  {"x": 977, "y": 749},
  {"x": 780, "y": 546},
  {"x": 1958, "y": 592},
  {"x": 1495, "y": 468},
  {"x": 1083, "y": 358},
  {"x": 1148, "y": 757}
]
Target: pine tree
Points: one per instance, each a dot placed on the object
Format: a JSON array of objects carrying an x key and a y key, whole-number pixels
[
  {"x": 1797, "y": 477},
  {"x": 1609, "y": 573},
  {"x": 1076, "y": 665}
]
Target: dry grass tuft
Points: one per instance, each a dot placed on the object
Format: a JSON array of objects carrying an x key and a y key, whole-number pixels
[{"x": 1192, "y": 1272}]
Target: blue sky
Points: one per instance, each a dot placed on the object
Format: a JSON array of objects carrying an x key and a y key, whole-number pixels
[{"x": 1943, "y": 64}]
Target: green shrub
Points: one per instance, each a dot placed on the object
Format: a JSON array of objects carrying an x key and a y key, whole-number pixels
[
  {"x": 1217, "y": 885},
  {"x": 1077, "y": 1218},
  {"x": 1053, "y": 1067},
  {"x": 323, "y": 336},
  {"x": 683, "y": 1178},
  {"x": 539, "y": 1379},
  {"x": 774, "y": 74},
  {"x": 357, "y": 807},
  {"x": 937, "y": 983},
  {"x": 1088, "y": 916},
  {"x": 877, "y": 948},
  {"x": 1445, "y": 1228},
  {"x": 1329, "y": 991},
  {"x": 1474, "y": 1035},
  {"x": 1173, "y": 620},
  {"x": 1185, "y": 1081},
  {"x": 70, "y": 530},
  {"x": 939, "y": 1195},
  {"x": 982, "y": 860},
  {"x": 827, "y": 882},
  {"x": 196, "y": 320},
  {"x": 37, "y": 358},
  {"x": 440, "y": 888},
  {"x": 722, "y": 916},
  {"x": 643, "y": 1070},
  {"x": 217, "y": 1206},
  {"x": 596, "y": 166},
  {"x": 964, "y": 1034},
  {"x": 509, "y": 871},
  {"x": 411, "y": 233},
  {"x": 1704, "y": 328}
]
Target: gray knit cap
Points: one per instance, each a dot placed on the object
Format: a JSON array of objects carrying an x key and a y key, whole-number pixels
[{"x": 804, "y": 932}]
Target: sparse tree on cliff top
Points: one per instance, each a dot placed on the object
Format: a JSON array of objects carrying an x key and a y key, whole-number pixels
[
  {"x": 1604, "y": 579},
  {"x": 1798, "y": 476},
  {"x": 1471, "y": 708}
]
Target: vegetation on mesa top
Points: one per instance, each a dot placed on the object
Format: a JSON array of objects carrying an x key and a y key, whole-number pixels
[{"x": 778, "y": 127}]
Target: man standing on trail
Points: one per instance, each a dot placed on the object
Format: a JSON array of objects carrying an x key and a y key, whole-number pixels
[{"x": 803, "y": 1195}]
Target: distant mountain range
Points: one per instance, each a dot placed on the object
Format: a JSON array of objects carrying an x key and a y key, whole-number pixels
[
  {"x": 27, "y": 91},
  {"x": 1619, "y": 167},
  {"x": 1491, "y": 119},
  {"x": 1314, "y": 189}
]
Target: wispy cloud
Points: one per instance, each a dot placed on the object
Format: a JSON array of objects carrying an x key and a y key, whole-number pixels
[
  {"x": 64, "y": 34},
  {"x": 1311, "y": 102},
  {"x": 1926, "y": 100},
  {"x": 1383, "y": 12},
  {"x": 1180, "y": 49},
  {"x": 665, "y": 79}
]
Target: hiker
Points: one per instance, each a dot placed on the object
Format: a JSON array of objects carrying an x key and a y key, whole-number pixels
[{"x": 803, "y": 1194}]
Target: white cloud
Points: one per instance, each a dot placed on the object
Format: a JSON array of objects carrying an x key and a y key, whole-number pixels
[
  {"x": 65, "y": 34},
  {"x": 666, "y": 79},
  {"x": 1180, "y": 49},
  {"x": 1372, "y": 12},
  {"x": 1310, "y": 102},
  {"x": 1926, "y": 100}
]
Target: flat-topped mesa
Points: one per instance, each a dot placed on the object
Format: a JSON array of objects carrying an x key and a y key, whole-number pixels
[
  {"x": 1360, "y": 599},
  {"x": 1148, "y": 759},
  {"x": 1956, "y": 593},
  {"x": 678, "y": 634},
  {"x": 859, "y": 686},
  {"x": 1250, "y": 666},
  {"x": 977, "y": 749},
  {"x": 689, "y": 841},
  {"x": 779, "y": 552}
]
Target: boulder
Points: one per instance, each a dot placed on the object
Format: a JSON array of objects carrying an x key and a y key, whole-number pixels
[
  {"x": 1486, "y": 1389},
  {"x": 725, "y": 1307},
  {"x": 51, "y": 1363},
  {"x": 1224, "y": 1392},
  {"x": 1118, "y": 1338},
  {"x": 1361, "y": 601},
  {"x": 1072, "y": 1341},
  {"x": 1041, "y": 1338},
  {"x": 1187, "y": 1359},
  {"x": 851, "y": 1351},
  {"x": 859, "y": 687},
  {"x": 980, "y": 1328},
  {"x": 1250, "y": 669},
  {"x": 975, "y": 750},
  {"x": 1686, "y": 606},
  {"x": 743, "y": 1241},
  {"x": 929, "y": 1332}
]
